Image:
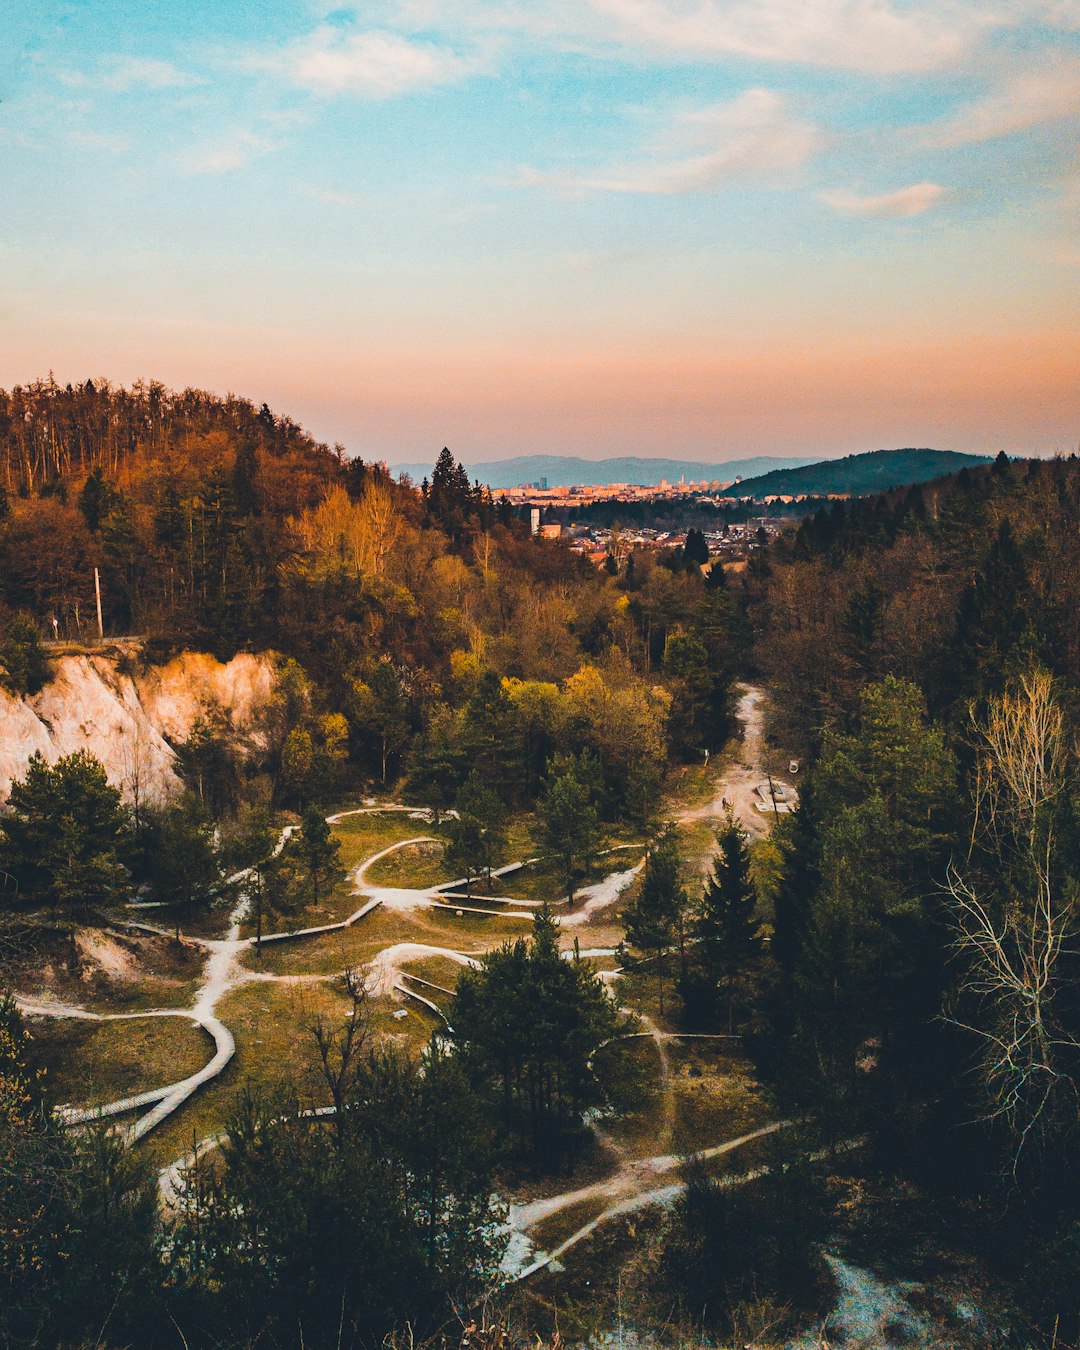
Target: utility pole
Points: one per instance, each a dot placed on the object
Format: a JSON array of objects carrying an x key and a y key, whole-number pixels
[{"x": 97, "y": 596}]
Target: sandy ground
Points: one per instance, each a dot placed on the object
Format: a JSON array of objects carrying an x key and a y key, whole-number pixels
[{"x": 735, "y": 787}]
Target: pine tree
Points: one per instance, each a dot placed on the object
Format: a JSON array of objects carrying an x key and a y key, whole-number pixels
[
  {"x": 64, "y": 833},
  {"x": 726, "y": 924},
  {"x": 655, "y": 918},
  {"x": 569, "y": 824},
  {"x": 317, "y": 852}
]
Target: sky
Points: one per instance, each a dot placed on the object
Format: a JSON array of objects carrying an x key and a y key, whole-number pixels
[{"x": 697, "y": 228}]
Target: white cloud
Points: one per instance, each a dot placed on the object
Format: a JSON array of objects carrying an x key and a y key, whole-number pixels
[
  {"x": 236, "y": 150},
  {"x": 1025, "y": 100},
  {"x": 904, "y": 203},
  {"x": 879, "y": 36},
  {"x": 755, "y": 135},
  {"x": 371, "y": 64},
  {"x": 124, "y": 73},
  {"x": 866, "y": 35}
]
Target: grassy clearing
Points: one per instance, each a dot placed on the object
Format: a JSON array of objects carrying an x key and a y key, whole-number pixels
[
  {"x": 697, "y": 845},
  {"x": 438, "y": 970},
  {"x": 716, "y": 1097},
  {"x": 360, "y": 837},
  {"x": 550, "y": 1232},
  {"x": 414, "y": 867},
  {"x": 91, "y": 1063},
  {"x": 695, "y": 785},
  {"x": 275, "y": 1053},
  {"x": 437, "y": 926}
]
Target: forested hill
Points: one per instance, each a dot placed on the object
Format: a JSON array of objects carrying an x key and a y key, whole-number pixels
[
  {"x": 51, "y": 433},
  {"x": 958, "y": 585},
  {"x": 859, "y": 475},
  {"x": 415, "y": 617}
]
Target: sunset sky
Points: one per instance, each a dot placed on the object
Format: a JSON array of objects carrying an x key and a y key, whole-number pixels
[{"x": 689, "y": 227}]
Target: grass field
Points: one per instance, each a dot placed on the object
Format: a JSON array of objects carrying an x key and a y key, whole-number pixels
[{"x": 91, "y": 1063}]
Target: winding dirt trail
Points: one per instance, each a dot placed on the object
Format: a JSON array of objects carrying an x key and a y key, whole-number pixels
[
  {"x": 632, "y": 1184},
  {"x": 737, "y": 783},
  {"x": 224, "y": 973}
]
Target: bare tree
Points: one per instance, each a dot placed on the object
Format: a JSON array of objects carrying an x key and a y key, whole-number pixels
[
  {"x": 340, "y": 1045},
  {"x": 1015, "y": 916}
]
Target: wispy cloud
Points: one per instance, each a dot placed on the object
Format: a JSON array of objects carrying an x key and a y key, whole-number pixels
[
  {"x": 235, "y": 150},
  {"x": 371, "y": 64},
  {"x": 754, "y": 135},
  {"x": 336, "y": 197},
  {"x": 865, "y": 35},
  {"x": 886, "y": 36},
  {"x": 915, "y": 200},
  {"x": 122, "y": 74},
  {"x": 1025, "y": 100}
]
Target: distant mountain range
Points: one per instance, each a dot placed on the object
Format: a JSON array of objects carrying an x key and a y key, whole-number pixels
[
  {"x": 875, "y": 471},
  {"x": 762, "y": 476},
  {"x": 568, "y": 471}
]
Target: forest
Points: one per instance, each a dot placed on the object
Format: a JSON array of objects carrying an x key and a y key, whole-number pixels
[{"x": 897, "y": 958}]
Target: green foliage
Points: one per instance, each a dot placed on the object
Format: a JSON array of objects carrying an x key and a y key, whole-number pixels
[
  {"x": 183, "y": 867},
  {"x": 381, "y": 711},
  {"x": 344, "y": 1234},
  {"x": 527, "y": 1023},
  {"x": 209, "y": 764},
  {"x": 860, "y": 951},
  {"x": 65, "y": 834},
  {"x": 23, "y": 665},
  {"x": 568, "y": 820},
  {"x": 656, "y": 917},
  {"x": 77, "y": 1218},
  {"x": 477, "y": 834},
  {"x": 729, "y": 1244},
  {"x": 439, "y": 762},
  {"x": 726, "y": 924},
  {"x": 315, "y": 851}
]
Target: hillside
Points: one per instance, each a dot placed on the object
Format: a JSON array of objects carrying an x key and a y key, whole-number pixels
[
  {"x": 858, "y": 475},
  {"x": 568, "y": 470},
  {"x": 129, "y": 713}
]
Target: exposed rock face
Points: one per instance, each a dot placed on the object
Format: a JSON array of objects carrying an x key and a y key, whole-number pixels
[{"x": 130, "y": 721}]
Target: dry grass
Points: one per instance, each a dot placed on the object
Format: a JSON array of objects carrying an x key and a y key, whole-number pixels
[{"x": 91, "y": 1063}]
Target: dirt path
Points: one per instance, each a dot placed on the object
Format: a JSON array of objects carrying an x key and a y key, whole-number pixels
[
  {"x": 223, "y": 972},
  {"x": 736, "y": 785},
  {"x": 630, "y": 1188}
]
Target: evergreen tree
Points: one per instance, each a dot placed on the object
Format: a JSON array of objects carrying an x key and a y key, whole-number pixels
[
  {"x": 466, "y": 848},
  {"x": 64, "y": 835},
  {"x": 381, "y": 709},
  {"x": 317, "y": 853},
  {"x": 655, "y": 918},
  {"x": 528, "y": 1023},
  {"x": 997, "y": 628},
  {"x": 23, "y": 664},
  {"x": 179, "y": 842},
  {"x": 477, "y": 835},
  {"x": 726, "y": 922},
  {"x": 439, "y": 762},
  {"x": 95, "y": 498},
  {"x": 569, "y": 823}
]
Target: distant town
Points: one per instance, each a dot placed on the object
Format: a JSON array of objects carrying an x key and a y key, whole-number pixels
[{"x": 730, "y": 542}]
